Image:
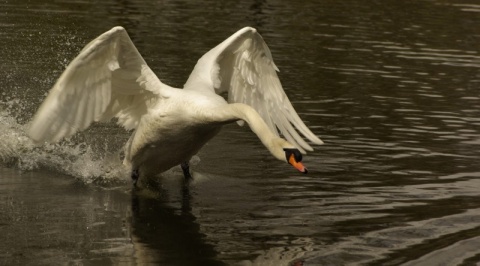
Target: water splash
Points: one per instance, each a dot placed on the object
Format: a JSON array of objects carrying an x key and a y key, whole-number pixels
[{"x": 76, "y": 159}]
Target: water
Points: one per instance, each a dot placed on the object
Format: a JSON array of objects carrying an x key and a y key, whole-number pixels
[{"x": 392, "y": 87}]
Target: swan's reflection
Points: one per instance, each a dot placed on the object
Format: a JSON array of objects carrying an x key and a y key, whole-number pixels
[{"x": 163, "y": 234}]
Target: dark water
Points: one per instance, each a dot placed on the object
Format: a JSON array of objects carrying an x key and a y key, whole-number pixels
[{"x": 392, "y": 87}]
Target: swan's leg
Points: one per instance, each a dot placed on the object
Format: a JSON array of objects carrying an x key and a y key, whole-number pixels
[
  {"x": 135, "y": 174},
  {"x": 186, "y": 170}
]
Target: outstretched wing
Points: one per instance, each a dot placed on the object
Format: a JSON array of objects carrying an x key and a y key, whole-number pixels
[
  {"x": 242, "y": 65},
  {"x": 108, "y": 78}
]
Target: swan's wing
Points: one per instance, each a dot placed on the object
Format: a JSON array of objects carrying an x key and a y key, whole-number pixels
[
  {"x": 242, "y": 65},
  {"x": 108, "y": 78}
]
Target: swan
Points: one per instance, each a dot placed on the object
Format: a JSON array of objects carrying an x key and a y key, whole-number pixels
[{"x": 109, "y": 78}]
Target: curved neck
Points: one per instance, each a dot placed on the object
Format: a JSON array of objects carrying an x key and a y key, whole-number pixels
[{"x": 239, "y": 111}]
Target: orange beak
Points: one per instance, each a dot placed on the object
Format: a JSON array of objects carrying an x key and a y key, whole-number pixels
[{"x": 298, "y": 165}]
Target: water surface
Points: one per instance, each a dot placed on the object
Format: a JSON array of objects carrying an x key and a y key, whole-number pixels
[{"x": 392, "y": 87}]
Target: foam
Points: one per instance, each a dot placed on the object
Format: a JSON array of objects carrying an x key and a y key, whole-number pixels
[{"x": 79, "y": 160}]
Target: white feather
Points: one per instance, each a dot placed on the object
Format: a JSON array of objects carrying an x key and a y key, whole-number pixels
[
  {"x": 109, "y": 78},
  {"x": 245, "y": 66}
]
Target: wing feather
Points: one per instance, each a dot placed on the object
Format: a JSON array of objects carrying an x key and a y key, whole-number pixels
[
  {"x": 243, "y": 66},
  {"x": 109, "y": 78}
]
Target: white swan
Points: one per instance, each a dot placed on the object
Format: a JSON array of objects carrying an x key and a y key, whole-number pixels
[{"x": 109, "y": 78}]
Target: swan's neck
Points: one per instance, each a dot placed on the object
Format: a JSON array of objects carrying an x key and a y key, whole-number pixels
[{"x": 239, "y": 111}]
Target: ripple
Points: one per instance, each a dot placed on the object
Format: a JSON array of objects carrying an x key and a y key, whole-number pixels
[
  {"x": 454, "y": 254},
  {"x": 460, "y": 175}
]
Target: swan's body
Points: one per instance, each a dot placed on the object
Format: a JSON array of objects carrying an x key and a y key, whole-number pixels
[{"x": 109, "y": 78}]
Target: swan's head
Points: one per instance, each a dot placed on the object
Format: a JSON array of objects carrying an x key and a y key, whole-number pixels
[
  {"x": 294, "y": 157},
  {"x": 285, "y": 151}
]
